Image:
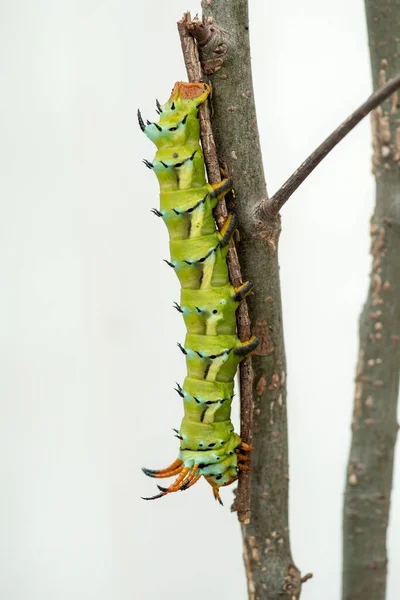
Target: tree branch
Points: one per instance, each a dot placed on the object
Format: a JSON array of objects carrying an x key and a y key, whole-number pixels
[
  {"x": 271, "y": 207},
  {"x": 370, "y": 467},
  {"x": 193, "y": 68},
  {"x": 223, "y": 42}
]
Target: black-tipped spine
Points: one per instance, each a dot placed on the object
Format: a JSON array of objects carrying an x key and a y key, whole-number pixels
[
  {"x": 181, "y": 348},
  {"x": 179, "y": 390},
  {"x": 156, "y": 212},
  {"x": 140, "y": 120}
]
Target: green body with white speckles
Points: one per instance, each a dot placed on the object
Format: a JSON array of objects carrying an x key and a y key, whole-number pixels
[{"x": 208, "y": 301}]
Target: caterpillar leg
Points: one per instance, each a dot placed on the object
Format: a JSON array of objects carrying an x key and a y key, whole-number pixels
[
  {"x": 221, "y": 188},
  {"x": 216, "y": 495},
  {"x": 246, "y": 447},
  {"x": 227, "y": 230},
  {"x": 242, "y": 467},
  {"x": 247, "y": 347},
  {"x": 243, "y": 457},
  {"x": 173, "y": 469},
  {"x": 215, "y": 488},
  {"x": 242, "y": 290}
]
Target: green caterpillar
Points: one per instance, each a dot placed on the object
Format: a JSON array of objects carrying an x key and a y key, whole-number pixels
[{"x": 209, "y": 447}]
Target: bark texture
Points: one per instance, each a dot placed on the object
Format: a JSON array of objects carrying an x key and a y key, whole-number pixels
[
  {"x": 225, "y": 55},
  {"x": 370, "y": 467}
]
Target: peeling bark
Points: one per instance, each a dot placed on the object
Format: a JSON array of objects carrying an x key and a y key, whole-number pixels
[{"x": 370, "y": 467}]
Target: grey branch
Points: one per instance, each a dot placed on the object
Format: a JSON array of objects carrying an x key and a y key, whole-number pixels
[
  {"x": 370, "y": 466},
  {"x": 223, "y": 43}
]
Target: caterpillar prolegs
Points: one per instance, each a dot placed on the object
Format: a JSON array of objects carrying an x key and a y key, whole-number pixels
[{"x": 209, "y": 447}]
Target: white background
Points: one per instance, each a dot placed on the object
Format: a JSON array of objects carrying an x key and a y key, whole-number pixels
[{"x": 88, "y": 354}]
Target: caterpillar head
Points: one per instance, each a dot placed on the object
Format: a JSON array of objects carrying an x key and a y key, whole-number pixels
[
  {"x": 178, "y": 124},
  {"x": 187, "y": 97}
]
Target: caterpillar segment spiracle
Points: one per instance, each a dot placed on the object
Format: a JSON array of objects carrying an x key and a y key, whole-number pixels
[{"x": 209, "y": 446}]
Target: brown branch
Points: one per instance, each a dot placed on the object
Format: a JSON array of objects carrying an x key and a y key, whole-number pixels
[
  {"x": 374, "y": 427},
  {"x": 194, "y": 73},
  {"x": 224, "y": 49},
  {"x": 271, "y": 207},
  {"x": 193, "y": 68}
]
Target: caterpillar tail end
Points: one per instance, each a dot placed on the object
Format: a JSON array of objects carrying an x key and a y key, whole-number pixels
[
  {"x": 187, "y": 477},
  {"x": 242, "y": 465},
  {"x": 173, "y": 469}
]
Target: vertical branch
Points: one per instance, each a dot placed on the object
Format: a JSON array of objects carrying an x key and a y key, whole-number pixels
[
  {"x": 223, "y": 41},
  {"x": 370, "y": 467},
  {"x": 193, "y": 68}
]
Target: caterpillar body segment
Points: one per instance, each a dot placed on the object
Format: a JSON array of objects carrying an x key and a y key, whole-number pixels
[{"x": 209, "y": 447}]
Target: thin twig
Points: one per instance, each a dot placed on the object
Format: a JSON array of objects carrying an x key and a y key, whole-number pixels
[
  {"x": 272, "y": 206},
  {"x": 193, "y": 68}
]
